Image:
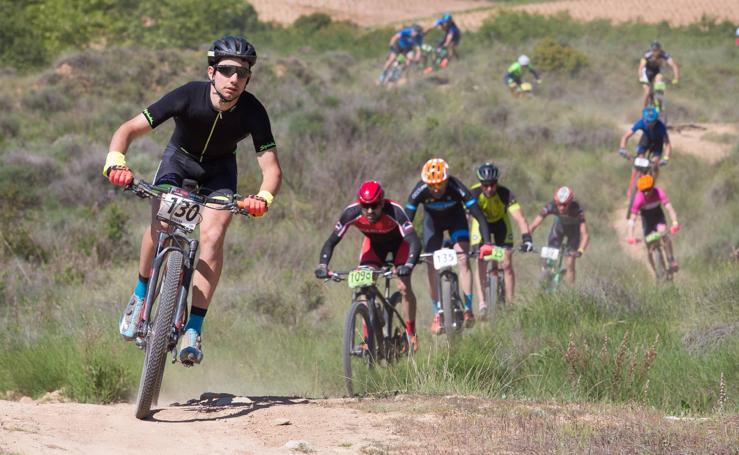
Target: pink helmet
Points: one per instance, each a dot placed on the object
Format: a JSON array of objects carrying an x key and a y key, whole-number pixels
[{"x": 563, "y": 195}]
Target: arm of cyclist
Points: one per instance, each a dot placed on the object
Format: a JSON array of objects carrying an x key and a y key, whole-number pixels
[
  {"x": 414, "y": 253},
  {"x": 486, "y": 248},
  {"x": 326, "y": 252},
  {"x": 624, "y": 140},
  {"x": 675, "y": 70},
  {"x": 115, "y": 167},
  {"x": 257, "y": 205},
  {"x": 516, "y": 213},
  {"x": 535, "y": 224},
  {"x": 673, "y": 216},
  {"x": 584, "y": 238},
  {"x": 640, "y": 71},
  {"x": 631, "y": 226}
]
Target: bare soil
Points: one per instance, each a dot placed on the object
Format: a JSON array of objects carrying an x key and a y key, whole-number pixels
[
  {"x": 469, "y": 14},
  {"x": 227, "y": 424}
]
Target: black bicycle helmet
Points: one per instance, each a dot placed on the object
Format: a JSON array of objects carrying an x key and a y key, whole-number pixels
[
  {"x": 232, "y": 46},
  {"x": 488, "y": 173},
  {"x": 417, "y": 28},
  {"x": 655, "y": 46}
]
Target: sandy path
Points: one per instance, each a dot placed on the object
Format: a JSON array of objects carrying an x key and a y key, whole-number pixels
[
  {"x": 222, "y": 424},
  {"x": 709, "y": 141}
]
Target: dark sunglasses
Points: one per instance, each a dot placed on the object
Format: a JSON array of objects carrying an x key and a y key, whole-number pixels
[
  {"x": 489, "y": 184},
  {"x": 229, "y": 70},
  {"x": 370, "y": 206}
]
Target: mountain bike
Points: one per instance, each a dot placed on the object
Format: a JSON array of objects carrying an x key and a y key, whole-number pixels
[
  {"x": 656, "y": 98},
  {"x": 370, "y": 334},
  {"x": 494, "y": 288},
  {"x": 656, "y": 248},
  {"x": 396, "y": 71},
  {"x": 165, "y": 306},
  {"x": 452, "y": 305},
  {"x": 553, "y": 270},
  {"x": 641, "y": 165}
]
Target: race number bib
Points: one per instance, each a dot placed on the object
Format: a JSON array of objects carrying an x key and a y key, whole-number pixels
[
  {"x": 359, "y": 278},
  {"x": 550, "y": 253},
  {"x": 497, "y": 255},
  {"x": 641, "y": 162},
  {"x": 179, "y": 210},
  {"x": 445, "y": 257}
]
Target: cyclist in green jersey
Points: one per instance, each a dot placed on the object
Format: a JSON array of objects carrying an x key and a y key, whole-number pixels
[
  {"x": 514, "y": 76},
  {"x": 499, "y": 205}
]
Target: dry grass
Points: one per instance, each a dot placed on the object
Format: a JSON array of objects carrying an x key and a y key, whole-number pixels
[{"x": 467, "y": 425}]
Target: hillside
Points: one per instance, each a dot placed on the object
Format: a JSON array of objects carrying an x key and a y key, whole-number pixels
[{"x": 69, "y": 240}]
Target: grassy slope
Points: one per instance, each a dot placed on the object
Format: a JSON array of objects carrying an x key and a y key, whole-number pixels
[{"x": 70, "y": 263}]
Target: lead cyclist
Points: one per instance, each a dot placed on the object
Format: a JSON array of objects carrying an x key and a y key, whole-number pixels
[{"x": 211, "y": 117}]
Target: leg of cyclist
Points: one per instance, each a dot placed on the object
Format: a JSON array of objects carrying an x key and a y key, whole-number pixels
[
  {"x": 481, "y": 280},
  {"x": 462, "y": 245},
  {"x": 570, "y": 269},
  {"x": 408, "y": 298},
  {"x": 510, "y": 276},
  {"x": 432, "y": 241}
]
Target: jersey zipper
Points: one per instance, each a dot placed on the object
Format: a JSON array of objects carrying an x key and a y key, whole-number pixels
[{"x": 212, "y": 128}]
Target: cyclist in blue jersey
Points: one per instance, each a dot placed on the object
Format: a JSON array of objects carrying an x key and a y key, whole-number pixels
[
  {"x": 210, "y": 117},
  {"x": 654, "y": 138},
  {"x": 406, "y": 42},
  {"x": 445, "y": 199},
  {"x": 452, "y": 35}
]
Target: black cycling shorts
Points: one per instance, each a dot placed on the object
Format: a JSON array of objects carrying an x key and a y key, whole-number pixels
[
  {"x": 557, "y": 234},
  {"x": 215, "y": 177},
  {"x": 454, "y": 220},
  {"x": 652, "y": 218}
]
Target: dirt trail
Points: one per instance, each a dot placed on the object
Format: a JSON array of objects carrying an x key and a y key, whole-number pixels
[
  {"x": 469, "y": 14},
  {"x": 709, "y": 141},
  {"x": 218, "y": 424}
]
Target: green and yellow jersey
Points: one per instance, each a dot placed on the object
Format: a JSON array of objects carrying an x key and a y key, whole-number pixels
[{"x": 496, "y": 209}]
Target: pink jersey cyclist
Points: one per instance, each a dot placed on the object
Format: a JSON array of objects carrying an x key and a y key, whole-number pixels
[{"x": 650, "y": 206}]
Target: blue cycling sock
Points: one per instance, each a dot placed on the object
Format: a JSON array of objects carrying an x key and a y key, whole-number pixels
[
  {"x": 195, "y": 321},
  {"x": 468, "y": 302},
  {"x": 141, "y": 285},
  {"x": 435, "y": 306}
]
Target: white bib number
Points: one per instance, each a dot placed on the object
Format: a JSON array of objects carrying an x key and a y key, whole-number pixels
[
  {"x": 550, "y": 253},
  {"x": 179, "y": 210},
  {"x": 446, "y": 257},
  {"x": 641, "y": 162}
]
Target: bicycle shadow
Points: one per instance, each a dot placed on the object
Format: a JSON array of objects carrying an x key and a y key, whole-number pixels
[{"x": 221, "y": 406}]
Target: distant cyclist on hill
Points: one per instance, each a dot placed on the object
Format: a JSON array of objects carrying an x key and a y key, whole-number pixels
[
  {"x": 569, "y": 221},
  {"x": 210, "y": 118},
  {"x": 499, "y": 205},
  {"x": 654, "y": 138},
  {"x": 452, "y": 35},
  {"x": 407, "y": 41},
  {"x": 648, "y": 202},
  {"x": 387, "y": 231},
  {"x": 650, "y": 66},
  {"x": 445, "y": 199},
  {"x": 514, "y": 76}
]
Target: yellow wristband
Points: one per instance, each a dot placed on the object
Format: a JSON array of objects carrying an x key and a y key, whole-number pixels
[
  {"x": 580, "y": 250},
  {"x": 113, "y": 159},
  {"x": 267, "y": 196}
]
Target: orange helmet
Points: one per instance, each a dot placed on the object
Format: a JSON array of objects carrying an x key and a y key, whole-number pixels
[
  {"x": 434, "y": 172},
  {"x": 645, "y": 182}
]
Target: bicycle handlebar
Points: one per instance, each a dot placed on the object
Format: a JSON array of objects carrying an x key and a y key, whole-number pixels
[
  {"x": 386, "y": 271},
  {"x": 146, "y": 190}
]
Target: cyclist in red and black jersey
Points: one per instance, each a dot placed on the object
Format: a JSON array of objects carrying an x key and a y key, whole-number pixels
[
  {"x": 445, "y": 198},
  {"x": 387, "y": 230},
  {"x": 210, "y": 117}
]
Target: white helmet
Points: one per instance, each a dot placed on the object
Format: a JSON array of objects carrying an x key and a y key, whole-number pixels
[{"x": 523, "y": 60}]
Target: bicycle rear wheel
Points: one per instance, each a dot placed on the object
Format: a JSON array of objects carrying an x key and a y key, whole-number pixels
[
  {"x": 661, "y": 270},
  {"x": 159, "y": 336},
  {"x": 358, "y": 350}
]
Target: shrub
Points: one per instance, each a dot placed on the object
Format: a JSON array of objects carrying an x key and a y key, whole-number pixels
[{"x": 550, "y": 55}]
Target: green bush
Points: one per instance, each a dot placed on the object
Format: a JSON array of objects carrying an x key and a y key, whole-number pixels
[{"x": 550, "y": 55}]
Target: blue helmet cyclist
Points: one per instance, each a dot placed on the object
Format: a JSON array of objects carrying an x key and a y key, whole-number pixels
[
  {"x": 654, "y": 138},
  {"x": 407, "y": 41},
  {"x": 452, "y": 35}
]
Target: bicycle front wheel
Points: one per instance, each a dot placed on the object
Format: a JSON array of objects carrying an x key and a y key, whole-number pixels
[
  {"x": 358, "y": 350},
  {"x": 447, "y": 304},
  {"x": 159, "y": 336},
  {"x": 660, "y": 268}
]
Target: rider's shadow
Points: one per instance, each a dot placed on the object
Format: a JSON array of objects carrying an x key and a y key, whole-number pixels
[{"x": 222, "y": 406}]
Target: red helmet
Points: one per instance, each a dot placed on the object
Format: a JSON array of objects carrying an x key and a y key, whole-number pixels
[
  {"x": 563, "y": 195},
  {"x": 370, "y": 192}
]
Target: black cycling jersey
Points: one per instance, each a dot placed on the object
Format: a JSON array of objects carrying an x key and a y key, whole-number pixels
[
  {"x": 203, "y": 132},
  {"x": 440, "y": 210},
  {"x": 654, "y": 60}
]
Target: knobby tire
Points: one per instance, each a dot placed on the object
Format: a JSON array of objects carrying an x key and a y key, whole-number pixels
[
  {"x": 159, "y": 336},
  {"x": 358, "y": 308},
  {"x": 447, "y": 305}
]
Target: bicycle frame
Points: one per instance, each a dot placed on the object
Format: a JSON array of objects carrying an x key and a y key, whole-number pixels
[
  {"x": 553, "y": 270},
  {"x": 657, "y": 252}
]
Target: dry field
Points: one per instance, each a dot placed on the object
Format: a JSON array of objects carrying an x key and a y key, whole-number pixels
[{"x": 470, "y": 13}]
